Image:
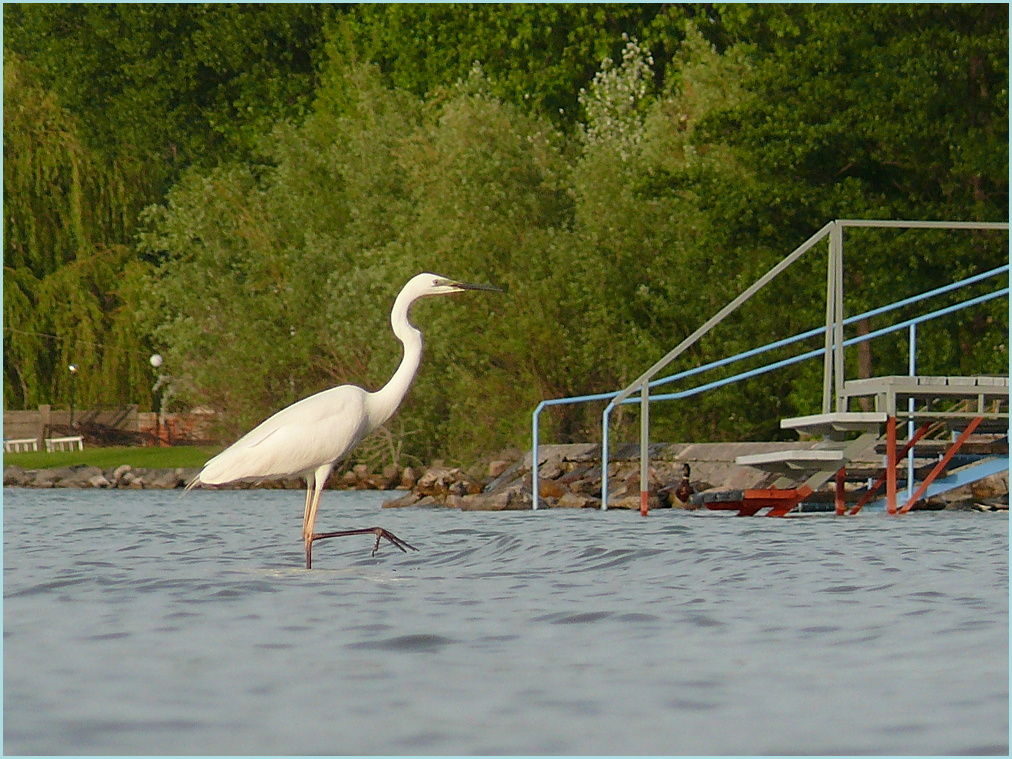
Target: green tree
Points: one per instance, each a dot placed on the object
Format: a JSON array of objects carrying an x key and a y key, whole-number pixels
[
  {"x": 172, "y": 85},
  {"x": 697, "y": 145},
  {"x": 255, "y": 264},
  {"x": 489, "y": 183},
  {"x": 104, "y": 105},
  {"x": 535, "y": 56},
  {"x": 68, "y": 278},
  {"x": 643, "y": 183},
  {"x": 280, "y": 284},
  {"x": 876, "y": 111}
]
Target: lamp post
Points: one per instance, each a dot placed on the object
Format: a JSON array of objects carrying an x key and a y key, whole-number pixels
[
  {"x": 73, "y": 376},
  {"x": 156, "y": 362}
]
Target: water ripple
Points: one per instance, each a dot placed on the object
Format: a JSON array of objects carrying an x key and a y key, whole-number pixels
[
  {"x": 187, "y": 624},
  {"x": 417, "y": 643},
  {"x": 45, "y": 587}
]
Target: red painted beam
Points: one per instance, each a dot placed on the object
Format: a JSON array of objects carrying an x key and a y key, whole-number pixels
[
  {"x": 870, "y": 493},
  {"x": 841, "y": 500},
  {"x": 942, "y": 464},
  {"x": 891, "y": 464}
]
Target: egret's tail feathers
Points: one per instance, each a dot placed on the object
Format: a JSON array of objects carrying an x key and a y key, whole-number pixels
[{"x": 195, "y": 482}]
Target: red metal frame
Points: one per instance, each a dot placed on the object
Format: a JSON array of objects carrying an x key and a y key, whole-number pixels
[
  {"x": 779, "y": 501},
  {"x": 940, "y": 466},
  {"x": 841, "y": 493},
  {"x": 870, "y": 493},
  {"x": 891, "y": 464}
]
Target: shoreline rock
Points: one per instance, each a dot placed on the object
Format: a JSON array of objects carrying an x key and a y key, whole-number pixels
[
  {"x": 125, "y": 476},
  {"x": 569, "y": 478},
  {"x": 86, "y": 476}
]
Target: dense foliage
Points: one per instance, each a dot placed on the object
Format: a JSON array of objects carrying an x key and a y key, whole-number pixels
[
  {"x": 172, "y": 85},
  {"x": 626, "y": 170},
  {"x": 104, "y": 106},
  {"x": 71, "y": 282}
]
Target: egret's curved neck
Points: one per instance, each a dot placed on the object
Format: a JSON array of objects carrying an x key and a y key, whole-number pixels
[{"x": 384, "y": 402}]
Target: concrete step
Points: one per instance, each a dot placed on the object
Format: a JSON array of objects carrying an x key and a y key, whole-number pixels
[
  {"x": 795, "y": 461},
  {"x": 837, "y": 424}
]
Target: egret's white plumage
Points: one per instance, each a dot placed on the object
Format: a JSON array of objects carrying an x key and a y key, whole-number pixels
[
  {"x": 295, "y": 441},
  {"x": 308, "y": 438}
]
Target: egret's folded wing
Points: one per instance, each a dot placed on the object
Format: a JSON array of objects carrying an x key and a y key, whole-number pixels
[{"x": 296, "y": 440}]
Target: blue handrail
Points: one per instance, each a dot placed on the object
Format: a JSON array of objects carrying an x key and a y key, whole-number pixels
[
  {"x": 819, "y": 351},
  {"x": 770, "y": 346},
  {"x": 779, "y": 365},
  {"x": 769, "y": 367}
]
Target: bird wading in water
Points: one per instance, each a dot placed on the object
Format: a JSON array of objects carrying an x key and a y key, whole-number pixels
[{"x": 309, "y": 437}]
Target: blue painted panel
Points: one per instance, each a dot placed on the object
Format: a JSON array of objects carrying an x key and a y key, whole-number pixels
[{"x": 979, "y": 471}]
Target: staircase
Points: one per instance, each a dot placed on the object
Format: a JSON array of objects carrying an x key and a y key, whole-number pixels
[
  {"x": 957, "y": 405},
  {"x": 954, "y": 404}
]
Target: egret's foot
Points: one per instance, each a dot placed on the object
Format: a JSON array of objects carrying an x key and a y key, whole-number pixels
[{"x": 379, "y": 532}]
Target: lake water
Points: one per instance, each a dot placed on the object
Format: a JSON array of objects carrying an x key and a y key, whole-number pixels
[{"x": 161, "y": 622}]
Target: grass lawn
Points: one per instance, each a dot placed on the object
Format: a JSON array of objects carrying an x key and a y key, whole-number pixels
[{"x": 149, "y": 458}]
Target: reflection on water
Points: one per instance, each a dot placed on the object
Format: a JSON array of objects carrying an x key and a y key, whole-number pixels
[{"x": 158, "y": 623}]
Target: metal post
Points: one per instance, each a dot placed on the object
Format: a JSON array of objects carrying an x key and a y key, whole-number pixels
[
  {"x": 73, "y": 377},
  {"x": 836, "y": 245},
  {"x": 891, "y": 461},
  {"x": 910, "y": 408},
  {"x": 840, "y": 493},
  {"x": 156, "y": 362},
  {"x": 535, "y": 456},
  {"x": 827, "y": 364},
  {"x": 644, "y": 448},
  {"x": 605, "y": 418}
]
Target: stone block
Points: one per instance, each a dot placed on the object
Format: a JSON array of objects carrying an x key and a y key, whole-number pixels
[
  {"x": 574, "y": 501},
  {"x": 498, "y": 468},
  {"x": 408, "y": 499}
]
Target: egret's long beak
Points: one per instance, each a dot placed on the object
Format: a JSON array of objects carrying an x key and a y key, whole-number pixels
[{"x": 471, "y": 286}]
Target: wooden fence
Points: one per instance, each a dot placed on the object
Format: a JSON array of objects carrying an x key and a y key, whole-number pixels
[{"x": 123, "y": 425}]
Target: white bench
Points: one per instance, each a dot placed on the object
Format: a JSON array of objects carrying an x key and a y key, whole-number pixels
[
  {"x": 21, "y": 444},
  {"x": 64, "y": 443}
]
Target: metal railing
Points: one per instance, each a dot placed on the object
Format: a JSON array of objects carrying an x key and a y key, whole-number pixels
[{"x": 832, "y": 352}]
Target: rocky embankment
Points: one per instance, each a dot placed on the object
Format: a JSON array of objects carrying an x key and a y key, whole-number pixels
[
  {"x": 569, "y": 477},
  {"x": 125, "y": 476},
  {"x": 84, "y": 476}
]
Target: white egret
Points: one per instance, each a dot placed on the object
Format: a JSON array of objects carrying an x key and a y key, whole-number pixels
[{"x": 309, "y": 437}]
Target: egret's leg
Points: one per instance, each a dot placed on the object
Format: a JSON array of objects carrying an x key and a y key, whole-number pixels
[
  {"x": 309, "y": 537},
  {"x": 379, "y": 532},
  {"x": 319, "y": 479},
  {"x": 306, "y": 532}
]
